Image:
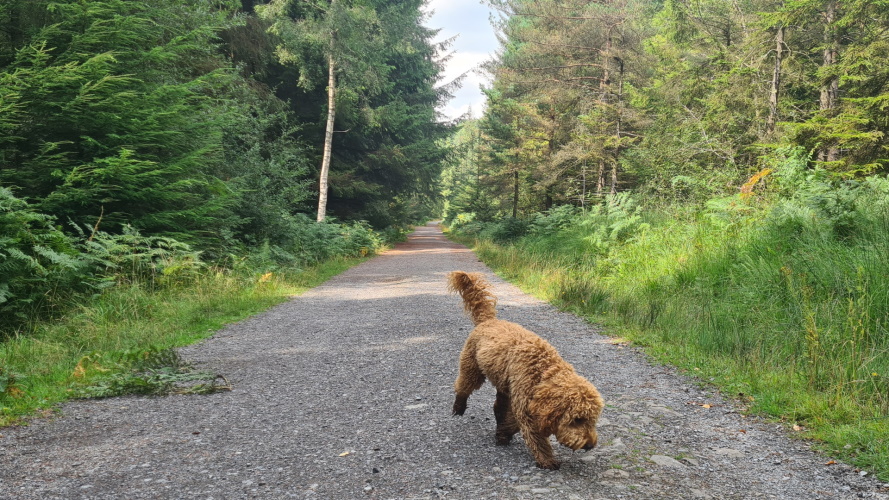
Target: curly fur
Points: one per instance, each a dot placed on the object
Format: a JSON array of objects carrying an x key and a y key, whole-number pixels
[{"x": 538, "y": 392}]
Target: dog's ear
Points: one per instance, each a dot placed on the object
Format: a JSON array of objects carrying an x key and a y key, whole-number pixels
[{"x": 547, "y": 407}]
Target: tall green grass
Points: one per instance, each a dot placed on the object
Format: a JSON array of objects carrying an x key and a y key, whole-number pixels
[
  {"x": 779, "y": 303},
  {"x": 40, "y": 369}
]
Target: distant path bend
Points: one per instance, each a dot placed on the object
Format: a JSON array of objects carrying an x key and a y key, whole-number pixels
[{"x": 345, "y": 393}]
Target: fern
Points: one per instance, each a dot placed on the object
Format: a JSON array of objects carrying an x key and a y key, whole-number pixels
[
  {"x": 35, "y": 258},
  {"x": 145, "y": 371}
]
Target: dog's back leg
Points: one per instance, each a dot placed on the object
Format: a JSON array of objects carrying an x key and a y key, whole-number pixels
[
  {"x": 506, "y": 424},
  {"x": 469, "y": 379}
]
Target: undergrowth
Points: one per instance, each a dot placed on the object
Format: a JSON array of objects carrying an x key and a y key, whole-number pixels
[
  {"x": 148, "y": 371},
  {"x": 121, "y": 340},
  {"x": 776, "y": 295}
]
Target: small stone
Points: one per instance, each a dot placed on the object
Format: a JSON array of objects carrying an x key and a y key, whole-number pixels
[
  {"x": 615, "y": 474},
  {"x": 730, "y": 453},
  {"x": 666, "y": 461},
  {"x": 614, "y": 445},
  {"x": 521, "y": 487},
  {"x": 540, "y": 491}
]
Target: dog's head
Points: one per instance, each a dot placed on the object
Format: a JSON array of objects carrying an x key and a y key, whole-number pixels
[{"x": 569, "y": 407}]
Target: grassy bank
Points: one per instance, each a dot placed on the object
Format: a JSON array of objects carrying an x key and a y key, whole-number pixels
[
  {"x": 784, "y": 308},
  {"x": 57, "y": 360}
]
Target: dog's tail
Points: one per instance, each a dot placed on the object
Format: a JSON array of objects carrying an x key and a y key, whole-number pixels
[{"x": 477, "y": 300}]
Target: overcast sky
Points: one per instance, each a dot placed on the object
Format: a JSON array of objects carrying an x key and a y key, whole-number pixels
[{"x": 476, "y": 43}]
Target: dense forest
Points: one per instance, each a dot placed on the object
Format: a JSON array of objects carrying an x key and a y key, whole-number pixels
[
  {"x": 676, "y": 99},
  {"x": 709, "y": 179},
  {"x": 176, "y": 131}
]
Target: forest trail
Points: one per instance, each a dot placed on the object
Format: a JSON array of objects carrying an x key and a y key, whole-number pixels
[{"x": 345, "y": 392}]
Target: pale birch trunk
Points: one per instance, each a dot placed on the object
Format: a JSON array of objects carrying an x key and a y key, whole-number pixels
[{"x": 328, "y": 138}]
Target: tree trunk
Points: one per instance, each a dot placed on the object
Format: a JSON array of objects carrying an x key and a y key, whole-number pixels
[
  {"x": 515, "y": 194},
  {"x": 600, "y": 180},
  {"x": 776, "y": 82},
  {"x": 618, "y": 123},
  {"x": 328, "y": 138},
  {"x": 830, "y": 88}
]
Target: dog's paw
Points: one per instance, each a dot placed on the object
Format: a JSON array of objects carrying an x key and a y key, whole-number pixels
[
  {"x": 458, "y": 409},
  {"x": 504, "y": 437},
  {"x": 554, "y": 465}
]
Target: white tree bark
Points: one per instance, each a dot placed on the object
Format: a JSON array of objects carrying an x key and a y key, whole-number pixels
[{"x": 328, "y": 138}]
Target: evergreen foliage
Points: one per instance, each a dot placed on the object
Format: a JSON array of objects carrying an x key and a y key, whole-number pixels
[
  {"x": 682, "y": 101},
  {"x": 141, "y": 142}
]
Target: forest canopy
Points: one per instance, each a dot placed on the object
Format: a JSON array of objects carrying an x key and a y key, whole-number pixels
[
  {"x": 678, "y": 100},
  {"x": 192, "y": 119},
  {"x": 203, "y": 124}
]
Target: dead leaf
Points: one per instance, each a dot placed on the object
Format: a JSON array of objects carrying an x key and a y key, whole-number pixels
[
  {"x": 797, "y": 428},
  {"x": 706, "y": 406},
  {"x": 832, "y": 462},
  {"x": 743, "y": 430},
  {"x": 345, "y": 453},
  {"x": 79, "y": 370}
]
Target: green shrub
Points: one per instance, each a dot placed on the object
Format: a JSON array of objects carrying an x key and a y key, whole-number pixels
[
  {"x": 36, "y": 260},
  {"x": 553, "y": 220},
  {"x": 507, "y": 229}
]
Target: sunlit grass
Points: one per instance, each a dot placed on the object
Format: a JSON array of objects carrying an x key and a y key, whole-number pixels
[
  {"x": 37, "y": 369},
  {"x": 794, "y": 324}
]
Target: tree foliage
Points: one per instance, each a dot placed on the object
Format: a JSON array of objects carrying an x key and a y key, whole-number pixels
[
  {"x": 681, "y": 99},
  {"x": 174, "y": 122}
]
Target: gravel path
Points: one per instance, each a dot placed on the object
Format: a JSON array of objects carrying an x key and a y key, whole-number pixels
[{"x": 346, "y": 391}]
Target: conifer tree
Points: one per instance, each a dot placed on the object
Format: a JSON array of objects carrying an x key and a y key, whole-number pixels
[{"x": 346, "y": 36}]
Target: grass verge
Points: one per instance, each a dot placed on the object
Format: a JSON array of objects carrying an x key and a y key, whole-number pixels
[
  {"x": 791, "y": 323},
  {"x": 96, "y": 347}
]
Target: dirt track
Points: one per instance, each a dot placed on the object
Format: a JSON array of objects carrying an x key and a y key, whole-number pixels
[{"x": 345, "y": 392}]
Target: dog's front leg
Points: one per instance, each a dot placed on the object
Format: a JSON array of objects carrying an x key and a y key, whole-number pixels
[
  {"x": 538, "y": 445},
  {"x": 542, "y": 451}
]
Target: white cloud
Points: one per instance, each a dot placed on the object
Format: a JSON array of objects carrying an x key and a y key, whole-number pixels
[
  {"x": 462, "y": 63},
  {"x": 475, "y": 43}
]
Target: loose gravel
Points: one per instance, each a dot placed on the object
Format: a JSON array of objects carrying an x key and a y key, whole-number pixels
[{"x": 345, "y": 393}]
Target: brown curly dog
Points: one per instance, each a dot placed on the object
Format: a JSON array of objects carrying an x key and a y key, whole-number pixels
[{"x": 538, "y": 392}]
